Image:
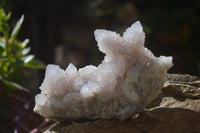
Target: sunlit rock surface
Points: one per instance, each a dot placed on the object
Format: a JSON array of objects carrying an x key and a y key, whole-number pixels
[{"x": 128, "y": 79}]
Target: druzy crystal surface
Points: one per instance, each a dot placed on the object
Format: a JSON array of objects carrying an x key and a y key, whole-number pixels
[{"x": 128, "y": 79}]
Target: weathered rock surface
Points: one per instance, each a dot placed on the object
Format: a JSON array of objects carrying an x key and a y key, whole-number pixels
[
  {"x": 189, "y": 86},
  {"x": 175, "y": 111}
]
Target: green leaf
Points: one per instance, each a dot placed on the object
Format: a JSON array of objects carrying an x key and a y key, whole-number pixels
[
  {"x": 27, "y": 58},
  {"x": 2, "y": 14},
  {"x": 16, "y": 49},
  {"x": 2, "y": 45},
  {"x": 25, "y": 42},
  {"x": 17, "y": 63},
  {"x": 11, "y": 59},
  {"x": 13, "y": 85},
  {"x": 35, "y": 64},
  {"x": 26, "y": 51},
  {"x": 4, "y": 71},
  {"x": 8, "y": 16},
  {"x": 17, "y": 28}
]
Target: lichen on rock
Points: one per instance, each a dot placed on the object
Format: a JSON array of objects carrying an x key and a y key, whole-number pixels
[{"x": 128, "y": 79}]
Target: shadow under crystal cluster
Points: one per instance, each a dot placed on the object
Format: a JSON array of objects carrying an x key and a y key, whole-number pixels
[{"x": 128, "y": 79}]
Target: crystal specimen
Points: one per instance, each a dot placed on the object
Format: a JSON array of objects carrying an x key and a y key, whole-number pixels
[{"x": 128, "y": 79}]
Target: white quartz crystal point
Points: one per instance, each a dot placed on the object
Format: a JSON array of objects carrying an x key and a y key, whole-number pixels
[
  {"x": 128, "y": 79},
  {"x": 135, "y": 34}
]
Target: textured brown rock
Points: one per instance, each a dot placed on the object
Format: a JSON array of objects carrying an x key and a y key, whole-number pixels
[
  {"x": 183, "y": 85},
  {"x": 174, "y": 111}
]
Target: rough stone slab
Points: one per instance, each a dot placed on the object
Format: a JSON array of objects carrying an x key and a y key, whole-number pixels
[
  {"x": 170, "y": 113},
  {"x": 165, "y": 120},
  {"x": 183, "y": 85}
]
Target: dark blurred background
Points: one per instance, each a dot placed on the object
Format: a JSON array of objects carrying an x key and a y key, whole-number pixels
[{"x": 61, "y": 31}]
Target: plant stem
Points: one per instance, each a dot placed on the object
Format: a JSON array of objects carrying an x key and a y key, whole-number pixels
[{"x": 6, "y": 42}]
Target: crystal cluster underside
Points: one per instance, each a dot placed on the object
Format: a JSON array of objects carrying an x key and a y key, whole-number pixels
[{"x": 128, "y": 79}]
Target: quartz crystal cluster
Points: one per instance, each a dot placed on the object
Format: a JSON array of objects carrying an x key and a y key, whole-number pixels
[{"x": 128, "y": 79}]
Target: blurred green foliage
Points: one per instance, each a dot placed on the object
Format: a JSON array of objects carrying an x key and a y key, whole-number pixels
[
  {"x": 6, "y": 4},
  {"x": 14, "y": 55},
  {"x": 14, "y": 59}
]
